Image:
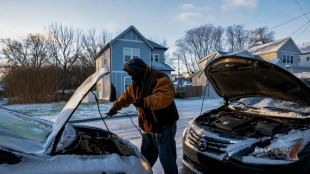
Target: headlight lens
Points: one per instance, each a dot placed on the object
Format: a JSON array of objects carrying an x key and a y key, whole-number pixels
[
  {"x": 185, "y": 132},
  {"x": 289, "y": 154}
]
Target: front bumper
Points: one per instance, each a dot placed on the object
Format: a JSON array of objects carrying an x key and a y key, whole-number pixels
[{"x": 198, "y": 162}]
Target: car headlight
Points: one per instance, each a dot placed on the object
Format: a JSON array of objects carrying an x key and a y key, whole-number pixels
[
  {"x": 289, "y": 154},
  {"x": 185, "y": 133}
]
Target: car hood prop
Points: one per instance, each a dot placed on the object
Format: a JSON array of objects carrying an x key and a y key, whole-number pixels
[{"x": 66, "y": 113}]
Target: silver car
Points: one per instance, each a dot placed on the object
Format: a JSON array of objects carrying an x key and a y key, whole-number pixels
[{"x": 263, "y": 125}]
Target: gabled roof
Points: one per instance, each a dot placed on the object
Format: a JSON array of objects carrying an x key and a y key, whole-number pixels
[
  {"x": 161, "y": 66},
  {"x": 304, "y": 47},
  {"x": 151, "y": 44},
  {"x": 270, "y": 47},
  {"x": 213, "y": 54},
  {"x": 156, "y": 45}
]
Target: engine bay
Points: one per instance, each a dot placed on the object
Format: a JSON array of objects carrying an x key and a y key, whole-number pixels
[
  {"x": 241, "y": 124},
  {"x": 99, "y": 142}
]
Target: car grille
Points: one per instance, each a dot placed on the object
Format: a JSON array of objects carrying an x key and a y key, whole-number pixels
[{"x": 213, "y": 145}]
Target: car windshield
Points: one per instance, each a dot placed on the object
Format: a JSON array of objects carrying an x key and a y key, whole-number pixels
[
  {"x": 271, "y": 107},
  {"x": 22, "y": 133}
]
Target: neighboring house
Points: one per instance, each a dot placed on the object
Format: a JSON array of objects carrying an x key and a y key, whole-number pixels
[
  {"x": 304, "y": 57},
  {"x": 181, "y": 82},
  {"x": 286, "y": 50},
  {"x": 129, "y": 44}
]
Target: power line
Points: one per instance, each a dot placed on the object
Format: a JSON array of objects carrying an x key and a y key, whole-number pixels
[
  {"x": 303, "y": 31},
  {"x": 300, "y": 28},
  {"x": 289, "y": 21},
  {"x": 301, "y": 10}
]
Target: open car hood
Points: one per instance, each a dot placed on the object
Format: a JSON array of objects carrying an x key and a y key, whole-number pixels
[
  {"x": 65, "y": 114},
  {"x": 239, "y": 77}
]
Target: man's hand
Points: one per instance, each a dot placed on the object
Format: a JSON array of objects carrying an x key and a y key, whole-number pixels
[
  {"x": 111, "y": 112},
  {"x": 139, "y": 103}
]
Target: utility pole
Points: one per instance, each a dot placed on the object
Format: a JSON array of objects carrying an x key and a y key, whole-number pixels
[{"x": 178, "y": 65}]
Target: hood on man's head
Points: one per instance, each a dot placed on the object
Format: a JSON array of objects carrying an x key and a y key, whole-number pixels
[{"x": 136, "y": 67}]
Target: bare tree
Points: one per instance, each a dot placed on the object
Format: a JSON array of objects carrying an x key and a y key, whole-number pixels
[
  {"x": 29, "y": 52},
  {"x": 64, "y": 45},
  {"x": 230, "y": 38},
  {"x": 262, "y": 34},
  {"x": 199, "y": 40},
  {"x": 237, "y": 38},
  {"x": 217, "y": 39},
  {"x": 38, "y": 49},
  {"x": 93, "y": 43},
  {"x": 65, "y": 48},
  {"x": 198, "y": 43},
  {"x": 185, "y": 55}
]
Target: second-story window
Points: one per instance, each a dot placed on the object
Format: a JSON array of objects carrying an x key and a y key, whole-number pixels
[
  {"x": 288, "y": 59},
  {"x": 130, "y": 53},
  {"x": 155, "y": 57}
]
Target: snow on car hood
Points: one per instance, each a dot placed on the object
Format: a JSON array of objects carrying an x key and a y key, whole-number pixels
[
  {"x": 64, "y": 116},
  {"x": 94, "y": 164},
  {"x": 239, "y": 77}
]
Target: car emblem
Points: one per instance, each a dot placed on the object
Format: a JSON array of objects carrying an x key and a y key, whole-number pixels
[{"x": 202, "y": 144}]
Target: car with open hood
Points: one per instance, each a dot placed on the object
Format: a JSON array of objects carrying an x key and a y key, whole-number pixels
[
  {"x": 263, "y": 125},
  {"x": 32, "y": 145}
]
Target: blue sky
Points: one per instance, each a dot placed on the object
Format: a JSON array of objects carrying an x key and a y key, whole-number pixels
[{"x": 162, "y": 19}]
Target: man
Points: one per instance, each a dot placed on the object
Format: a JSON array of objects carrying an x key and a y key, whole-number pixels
[{"x": 152, "y": 93}]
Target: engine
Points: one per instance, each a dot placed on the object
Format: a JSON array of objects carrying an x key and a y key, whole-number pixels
[
  {"x": 98, "y": 142},
  {"x": 245, "y": 124}
]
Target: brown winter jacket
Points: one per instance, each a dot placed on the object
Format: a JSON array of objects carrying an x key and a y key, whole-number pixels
[{"x": 158, "y": 93}]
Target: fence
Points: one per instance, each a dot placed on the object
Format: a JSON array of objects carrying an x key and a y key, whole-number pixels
[
  {"x": 189, "y": 91},
  {"x": 195, "y": 91}
]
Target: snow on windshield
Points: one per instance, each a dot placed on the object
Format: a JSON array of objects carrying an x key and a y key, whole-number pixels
[{"x": 272, "y": 107}]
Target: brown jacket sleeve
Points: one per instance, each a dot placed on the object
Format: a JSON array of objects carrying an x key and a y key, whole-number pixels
[
  {"x": 162, "y": 95},
  {"x": 124, "y": 101}
]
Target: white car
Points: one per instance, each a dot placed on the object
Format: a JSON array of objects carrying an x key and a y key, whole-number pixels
[
  {"x": 30, "y": 145},
  {"x": 262, "y": 127}
]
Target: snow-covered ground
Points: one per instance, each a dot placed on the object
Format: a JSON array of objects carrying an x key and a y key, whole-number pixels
[{"x": 122, "y": 126}]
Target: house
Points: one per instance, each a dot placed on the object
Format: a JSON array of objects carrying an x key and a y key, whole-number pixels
[
  {"x": 286, "y": 50},
  {"x": 181, "y": 82},
  {"x": 304, "y": 57},
  {"x": 127, "y": 45}
]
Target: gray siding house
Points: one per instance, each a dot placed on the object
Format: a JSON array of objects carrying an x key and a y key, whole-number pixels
[{"x": 129, "y": 44}]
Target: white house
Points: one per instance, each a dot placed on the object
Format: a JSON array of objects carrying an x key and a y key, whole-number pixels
[{"x": 304, "y": 57}]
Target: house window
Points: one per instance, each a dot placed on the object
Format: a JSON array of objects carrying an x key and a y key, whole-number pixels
[
  {"x": 136, "y": 53},
  {"x": 155, "y": 57},
  {"x": 130, "y": 53},
  {"x": 288, "y": 59},
  {"x": 127, "y": 82},
  {"x": 104, "y": 61},
  {"x": 308, "y": 58}
]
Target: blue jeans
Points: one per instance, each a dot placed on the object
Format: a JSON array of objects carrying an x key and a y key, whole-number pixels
[{"x": 162, "y": 145}]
